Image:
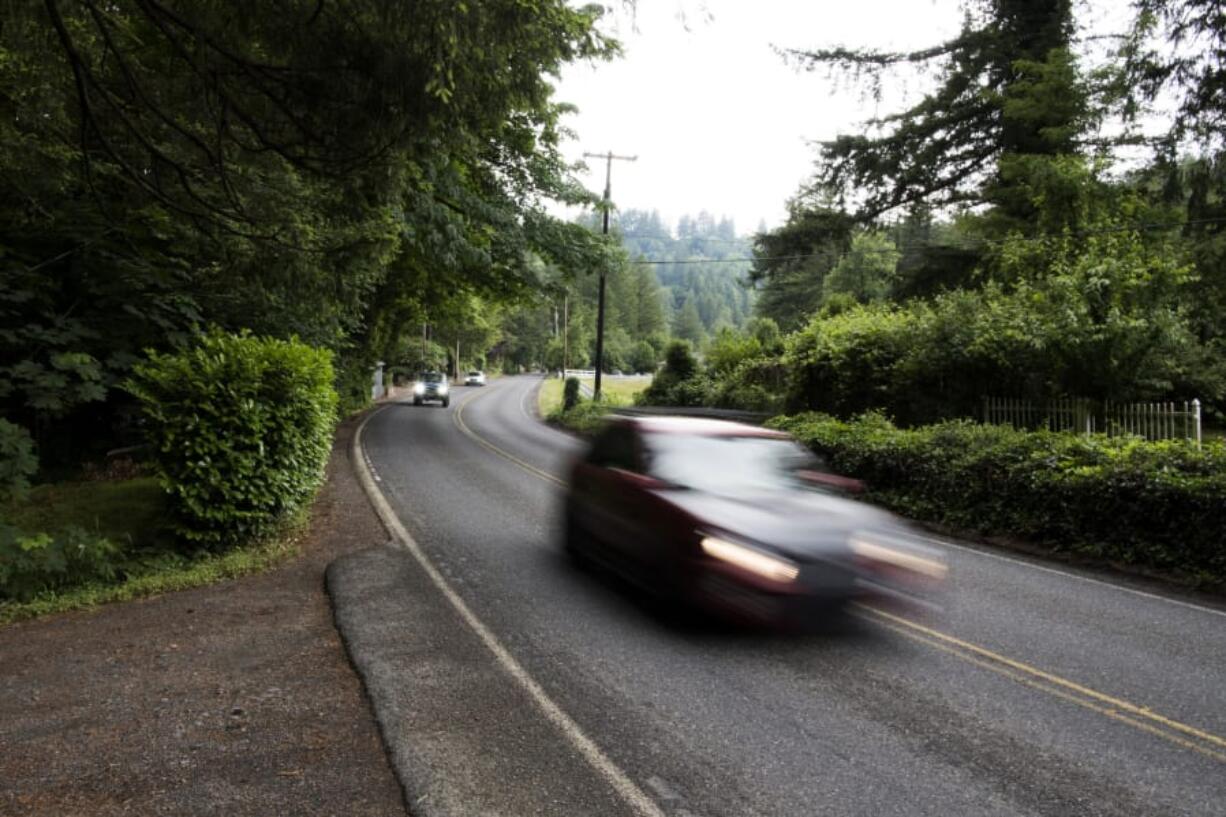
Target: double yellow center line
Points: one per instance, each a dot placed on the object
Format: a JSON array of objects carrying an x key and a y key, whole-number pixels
[
  {"x": 458, "y": 416},
  {"x": 1117, "y": 709},
  {"x": 1139, "y": 717}
]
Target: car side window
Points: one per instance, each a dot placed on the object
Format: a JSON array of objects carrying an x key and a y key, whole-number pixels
[{"x": 615, "y": 449}]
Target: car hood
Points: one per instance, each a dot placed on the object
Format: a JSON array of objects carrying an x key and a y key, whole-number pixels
[{"x": 802, "y": 524}]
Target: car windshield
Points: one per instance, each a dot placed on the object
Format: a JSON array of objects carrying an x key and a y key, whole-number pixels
[
  {"x": 727, "y": 464},
  {"x": 432, "y": 377},
  {"x": 474, "y": 374}
]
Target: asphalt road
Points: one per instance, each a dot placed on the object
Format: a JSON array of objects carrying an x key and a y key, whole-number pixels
[{"x": 509, "y": 682}]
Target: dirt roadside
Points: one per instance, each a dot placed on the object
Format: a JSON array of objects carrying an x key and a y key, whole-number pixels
[{"x": 234, "y": 699}]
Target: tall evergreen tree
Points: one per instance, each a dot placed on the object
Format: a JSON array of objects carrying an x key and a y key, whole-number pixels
[
  {"x": 689, "y": 325},
  {"x": 792, "y": 262},
  {"x": 1008, "y": 88}
]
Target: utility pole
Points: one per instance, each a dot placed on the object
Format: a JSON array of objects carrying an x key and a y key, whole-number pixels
[{"x": 608, "y": 156}]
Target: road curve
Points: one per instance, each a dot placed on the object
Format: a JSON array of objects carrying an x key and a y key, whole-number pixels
[{"x": 1034, "y": 691}]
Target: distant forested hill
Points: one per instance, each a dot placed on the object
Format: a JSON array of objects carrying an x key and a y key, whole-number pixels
[{"x": 702, "y": 269}]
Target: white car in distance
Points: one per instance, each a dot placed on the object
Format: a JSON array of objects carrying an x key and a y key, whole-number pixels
[{"x": 475, "y": 378}]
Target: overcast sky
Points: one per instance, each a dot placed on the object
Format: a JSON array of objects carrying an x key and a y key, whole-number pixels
[{"x": 717, "y": 119}]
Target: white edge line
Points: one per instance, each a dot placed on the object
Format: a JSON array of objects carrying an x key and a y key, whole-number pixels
[
  {"x": 1067, "y": 574},
  {"x": 592, "y": 753},
  {"x": 539, "y": 421},
  {"x": 523, "y": 406}
]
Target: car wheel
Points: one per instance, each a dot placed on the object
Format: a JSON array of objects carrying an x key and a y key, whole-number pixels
[
  {"x": 446, "y": 402},
  {"x": 417, "y": 401}
]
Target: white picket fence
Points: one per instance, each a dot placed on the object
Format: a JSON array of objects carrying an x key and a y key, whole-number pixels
[
  {"x": 1153, "y": 421},
  {"x": 1069, "y": 414}
]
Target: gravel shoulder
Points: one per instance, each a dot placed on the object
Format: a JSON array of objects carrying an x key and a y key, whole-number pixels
[{"x": 234, "y": 699}]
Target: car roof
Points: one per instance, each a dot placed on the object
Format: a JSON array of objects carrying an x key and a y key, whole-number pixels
[{"x": 699, "y": 426}]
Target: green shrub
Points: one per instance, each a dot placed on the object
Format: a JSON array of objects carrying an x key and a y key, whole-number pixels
[
  {"x": 729, "y": 349},
  {"x": 242, "y": 428},
  {"x": 681, "y": 381},
  {"x": 679, "y": 360},
  {"x": 570, "y": 393},
  {"x": 1160, "y": 505},
  {"x": 31, "y": 564},
  {"x": 757, "y": 384},
  {"x": 644, "y": 358},
  {"x": 17, "y": 461},
  {"x": 848, "y": 363},
  {"x": 585, "y": 418}
]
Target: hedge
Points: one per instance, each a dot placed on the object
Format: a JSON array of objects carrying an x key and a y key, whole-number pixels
[
  {"x": 1158, "y": 505},
  {"x": 241, "y": 428},
  {"x": 680, "y": 383}
]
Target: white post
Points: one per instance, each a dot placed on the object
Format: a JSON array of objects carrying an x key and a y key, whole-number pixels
[
  {"x": 1196, "y": 418},
  {"x": 376, "y": 389}
]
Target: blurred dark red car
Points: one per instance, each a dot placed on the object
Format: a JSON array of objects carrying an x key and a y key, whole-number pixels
[{"x": 741, "y": 520}]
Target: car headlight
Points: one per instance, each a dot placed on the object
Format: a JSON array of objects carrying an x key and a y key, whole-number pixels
[
  {"x": 442, "y": 388},
  {"x": 419, "y": 388},
  {"x": 878, "y": 550},
  {"x": 750, "y": 559}
]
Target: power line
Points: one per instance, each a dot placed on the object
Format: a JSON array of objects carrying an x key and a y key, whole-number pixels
[
  {"x": 709, "y": 239},
  {"x": 722, "y": 260}
]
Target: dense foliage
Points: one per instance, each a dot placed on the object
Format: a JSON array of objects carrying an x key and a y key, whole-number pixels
[
  {"x": 31, "y": 564},
  {"x": 1109, "y": 498},
  {"x": 341, "y": 172},
  {"x": 242, "y": 429},
  {"x": 984, "y": 241}
]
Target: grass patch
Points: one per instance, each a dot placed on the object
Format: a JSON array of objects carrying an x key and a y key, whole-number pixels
[
  {"x": 588, "y": 416},
  {"x": 584, "y": 419},
  {"x": 133, "y": 514},
  {"x": 130, "y": 512},
  {"x": 549, "y": 398},
  {"x": 618, "y": 391},
  {"x": 621, "y": 389},
  {"x": 155, "y": 574}
]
